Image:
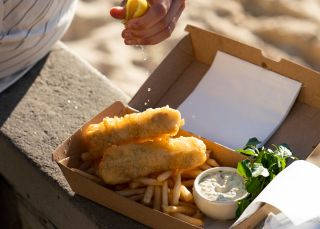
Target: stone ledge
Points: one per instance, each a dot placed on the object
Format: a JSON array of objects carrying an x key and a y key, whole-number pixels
[{"x": 42, "y": 109}]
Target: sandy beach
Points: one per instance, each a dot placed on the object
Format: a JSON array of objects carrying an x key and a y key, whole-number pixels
[{"x": 287, "y": 29}]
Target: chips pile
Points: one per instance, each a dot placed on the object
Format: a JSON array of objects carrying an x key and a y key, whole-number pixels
[{"x": 169, "y": 191}]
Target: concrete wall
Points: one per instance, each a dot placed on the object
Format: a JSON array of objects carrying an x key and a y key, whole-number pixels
[{"x": 36, "y": 114}]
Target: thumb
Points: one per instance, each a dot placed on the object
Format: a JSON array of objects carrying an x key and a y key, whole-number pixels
[{"x": 118, "y": 12}]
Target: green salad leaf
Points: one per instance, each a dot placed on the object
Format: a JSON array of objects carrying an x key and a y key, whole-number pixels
[{"x": 262, "y": 165}]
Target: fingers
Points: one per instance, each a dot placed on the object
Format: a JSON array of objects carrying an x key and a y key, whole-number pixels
[
  {"x": 118, "y": 12},
  {"x": 158, "y": 10},
  {"x": 161, "y": 24},
  {"x": 152, "y": 40},
  {"x": 156, "y": 25},
  {"x": 157, "y": 33}
]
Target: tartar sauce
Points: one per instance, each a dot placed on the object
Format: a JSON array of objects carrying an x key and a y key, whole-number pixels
[{"x": 222, "y": 186}]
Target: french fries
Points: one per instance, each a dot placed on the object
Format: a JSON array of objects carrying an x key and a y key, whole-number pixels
[
  {"x": 164, "y": 176},
  {"x": 185, "y": 194},
  {"x": 148, "y": 195},
  {"x": 167, "y": 191},
  {"x": 176, "y": 189},
  {"x": 165, "y": 202},
  {"x": 212, "y": 162}
]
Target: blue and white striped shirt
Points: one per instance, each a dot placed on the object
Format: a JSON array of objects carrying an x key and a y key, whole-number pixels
[{"x": 28, "y": 30}]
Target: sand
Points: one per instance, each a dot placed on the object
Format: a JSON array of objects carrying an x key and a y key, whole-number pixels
[{"x": 287, "y": 29}]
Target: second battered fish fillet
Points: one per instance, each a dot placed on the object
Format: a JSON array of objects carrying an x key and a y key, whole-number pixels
[
  {"x": 123, "y": 163},
  {"x": 136, "y": 127}
]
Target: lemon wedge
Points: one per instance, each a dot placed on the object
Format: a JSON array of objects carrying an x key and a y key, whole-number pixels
[{"x": 136, "y": 8}]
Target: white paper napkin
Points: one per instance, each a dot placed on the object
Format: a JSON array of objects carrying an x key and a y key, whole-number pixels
[{"x": 237, "y": 100}]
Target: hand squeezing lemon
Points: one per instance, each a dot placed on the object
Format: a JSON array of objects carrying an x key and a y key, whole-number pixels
[
  {"x": 147, "y": 22},
  {"x": 132, "y": 9}
]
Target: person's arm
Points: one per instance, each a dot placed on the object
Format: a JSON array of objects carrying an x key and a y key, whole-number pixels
[{"x": 153, "y": 27}]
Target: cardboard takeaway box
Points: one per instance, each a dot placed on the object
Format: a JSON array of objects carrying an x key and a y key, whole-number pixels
[{"x": 171, "y": 83}]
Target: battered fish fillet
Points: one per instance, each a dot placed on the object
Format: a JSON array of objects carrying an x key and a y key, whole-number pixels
[
  {"x": 136, "y": 127},
  {"x": 123, "y": 163}
]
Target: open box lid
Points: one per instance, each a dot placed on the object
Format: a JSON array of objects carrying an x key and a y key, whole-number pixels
[{"x": 181, "y": 71}]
